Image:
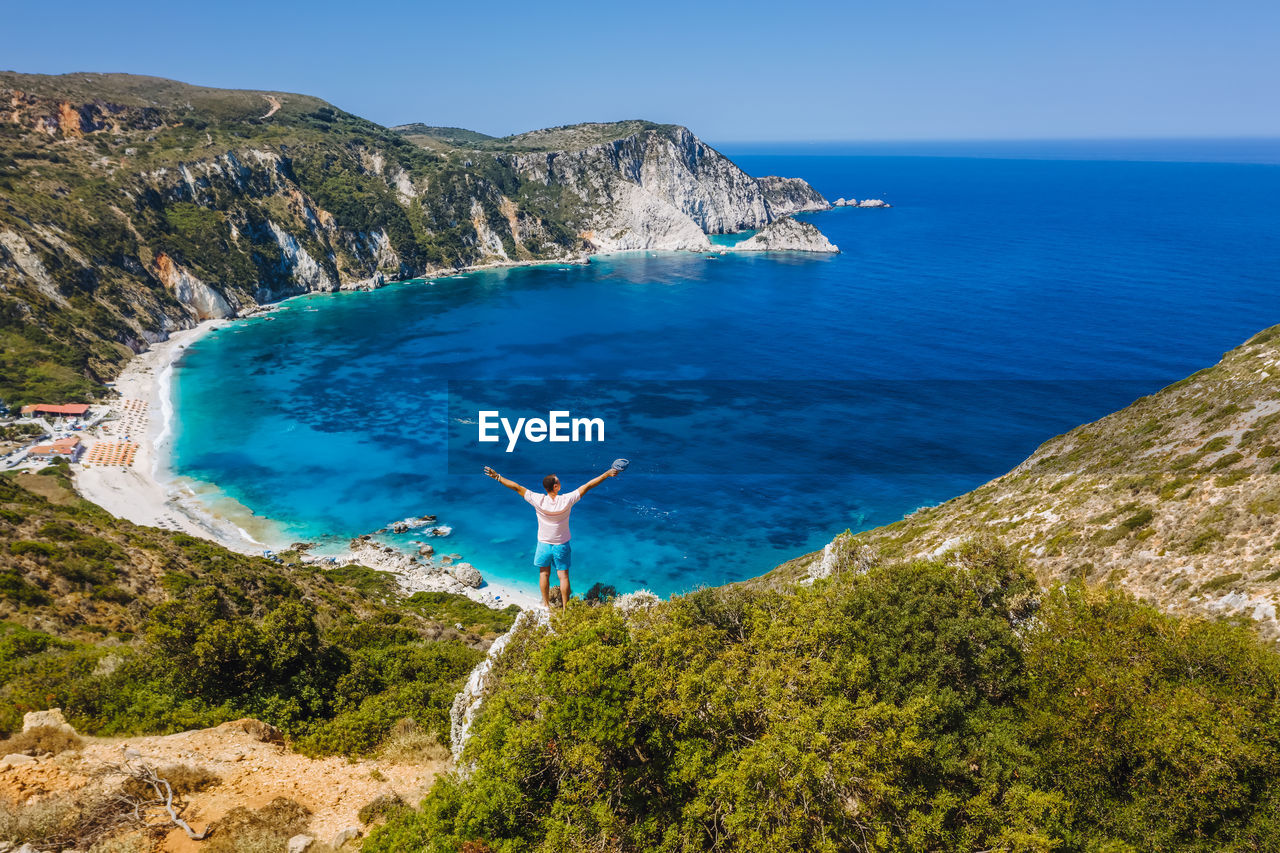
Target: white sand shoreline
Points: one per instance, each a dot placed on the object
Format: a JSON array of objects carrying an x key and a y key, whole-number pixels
[{"x": 147, "y": 493}]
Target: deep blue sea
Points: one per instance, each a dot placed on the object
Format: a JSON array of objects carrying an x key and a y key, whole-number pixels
[{"x": 766, "y": 403}]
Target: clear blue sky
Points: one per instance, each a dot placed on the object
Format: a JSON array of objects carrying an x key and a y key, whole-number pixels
[{"x": 798, "y": 70}]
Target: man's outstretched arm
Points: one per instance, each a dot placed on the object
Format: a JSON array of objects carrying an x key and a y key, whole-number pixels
[
  {"x": 591, "y": 484},
  {"x": 510, "y": 484}
]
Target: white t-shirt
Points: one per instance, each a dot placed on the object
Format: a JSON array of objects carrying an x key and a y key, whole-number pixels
[{"x": 553, "y": 514}]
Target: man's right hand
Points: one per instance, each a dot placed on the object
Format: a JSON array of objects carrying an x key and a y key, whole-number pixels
[{"x": 510, "y": 484}]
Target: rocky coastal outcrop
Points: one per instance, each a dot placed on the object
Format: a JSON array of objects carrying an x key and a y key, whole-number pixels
[
  {"x": 656, "y": 186},
  {"x": 866, "y": 202},
  {"x": 787, "y": 235},
  {"x": 466, "y": 704}
]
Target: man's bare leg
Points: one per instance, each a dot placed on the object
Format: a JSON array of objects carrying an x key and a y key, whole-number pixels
[
  {"x": 564, "y": 588},
  {"x": 544, "y": 584}
]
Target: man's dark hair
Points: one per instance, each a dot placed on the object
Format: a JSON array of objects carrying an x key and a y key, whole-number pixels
[{"x": 549, "y": 481}]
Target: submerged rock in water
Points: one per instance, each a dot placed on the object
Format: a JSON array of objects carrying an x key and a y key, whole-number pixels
[{"x": 787, "y": 235}]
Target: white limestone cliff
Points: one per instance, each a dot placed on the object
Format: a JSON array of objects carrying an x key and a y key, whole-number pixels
[
  {"x": 662, "y": 188},
  {"x": 201, "y": 299}
]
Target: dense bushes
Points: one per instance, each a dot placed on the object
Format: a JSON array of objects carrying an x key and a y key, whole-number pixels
[
  {"x": 919, "y": 707},
  {"x": 144, "y": 630},
  {"x": 199, "y": 665}
]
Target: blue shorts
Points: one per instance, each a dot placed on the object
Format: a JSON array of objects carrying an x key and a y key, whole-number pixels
[{"x": 552, "y": 556}]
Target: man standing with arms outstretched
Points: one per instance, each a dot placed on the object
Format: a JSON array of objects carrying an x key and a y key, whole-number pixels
[{"x": 553, "y": 511}]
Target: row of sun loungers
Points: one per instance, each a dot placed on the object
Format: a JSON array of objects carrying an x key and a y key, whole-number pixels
[
  {"x": 111, "y": 453},
  {"x": 132, "y": 418}
]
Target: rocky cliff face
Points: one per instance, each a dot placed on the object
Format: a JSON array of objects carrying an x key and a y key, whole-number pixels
[
  {"x": 656, "y": 187},
  {"x": 786, "y": 196},
  {"x": 787, "y": 235},
  {"x": 134, "y": 206}
]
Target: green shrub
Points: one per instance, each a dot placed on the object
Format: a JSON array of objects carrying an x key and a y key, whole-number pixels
[
  {"x": 1230, "y": 478},
  {"x": 925, "y": 706},
  {"x": 1226, "y": 461},
  {"x": 1220, "y": 582},
  {"x": 1203, "y": 540},
  {"x": 449, "y": 608},
  {"x": 41, "y": 552}
]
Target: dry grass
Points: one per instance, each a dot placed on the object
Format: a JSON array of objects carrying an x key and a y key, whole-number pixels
[
  {"x": 409, "y": 744},
  {"x": 183, "y": 778},
  {"x": 61, "y": 822},
  {"x": 48, "y": 488},
  {"x": 381, "y": 808},
  {"x": 41, "y": 740},
  {"x": 264, "y": 830},
  {"x": 132, "y": 842}
]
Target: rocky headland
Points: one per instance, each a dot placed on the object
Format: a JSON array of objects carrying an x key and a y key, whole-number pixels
[
  {"x": 787, "y": 235},
  {"x": 138, "y": 206}
]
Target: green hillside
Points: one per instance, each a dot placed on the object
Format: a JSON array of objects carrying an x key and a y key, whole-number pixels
[
  {"x": 118, "y": 191},
  {"x": 931, "y": 705},
  {"x": 442, "y": 138},
  {"x": 133, "y": 629},
  {"x": 1173, "y": 499}
]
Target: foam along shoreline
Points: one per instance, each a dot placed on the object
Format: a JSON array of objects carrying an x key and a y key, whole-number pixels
[{"x": 147, "y": 493}]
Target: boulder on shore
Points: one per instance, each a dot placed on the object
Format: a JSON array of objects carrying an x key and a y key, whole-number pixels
[{"x": 467, "y": 574}]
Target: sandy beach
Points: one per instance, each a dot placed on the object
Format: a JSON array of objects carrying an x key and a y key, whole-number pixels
[{"x": 147, "y": 493}]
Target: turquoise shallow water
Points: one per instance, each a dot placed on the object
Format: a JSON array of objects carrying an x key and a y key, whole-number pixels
[{"x": 767, "y": 403}]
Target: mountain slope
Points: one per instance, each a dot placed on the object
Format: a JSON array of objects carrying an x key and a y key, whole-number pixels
[
  {"x": 135, "y": 629},
  {"x": 1173, "y": 499},
  {"x": 935, "y": 705},
  {"x": 132, "y": 206}
]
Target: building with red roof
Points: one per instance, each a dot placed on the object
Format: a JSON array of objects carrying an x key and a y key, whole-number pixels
[
  {"x": 71, "y": 447},
  {"x": 65, "y": 410}
]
